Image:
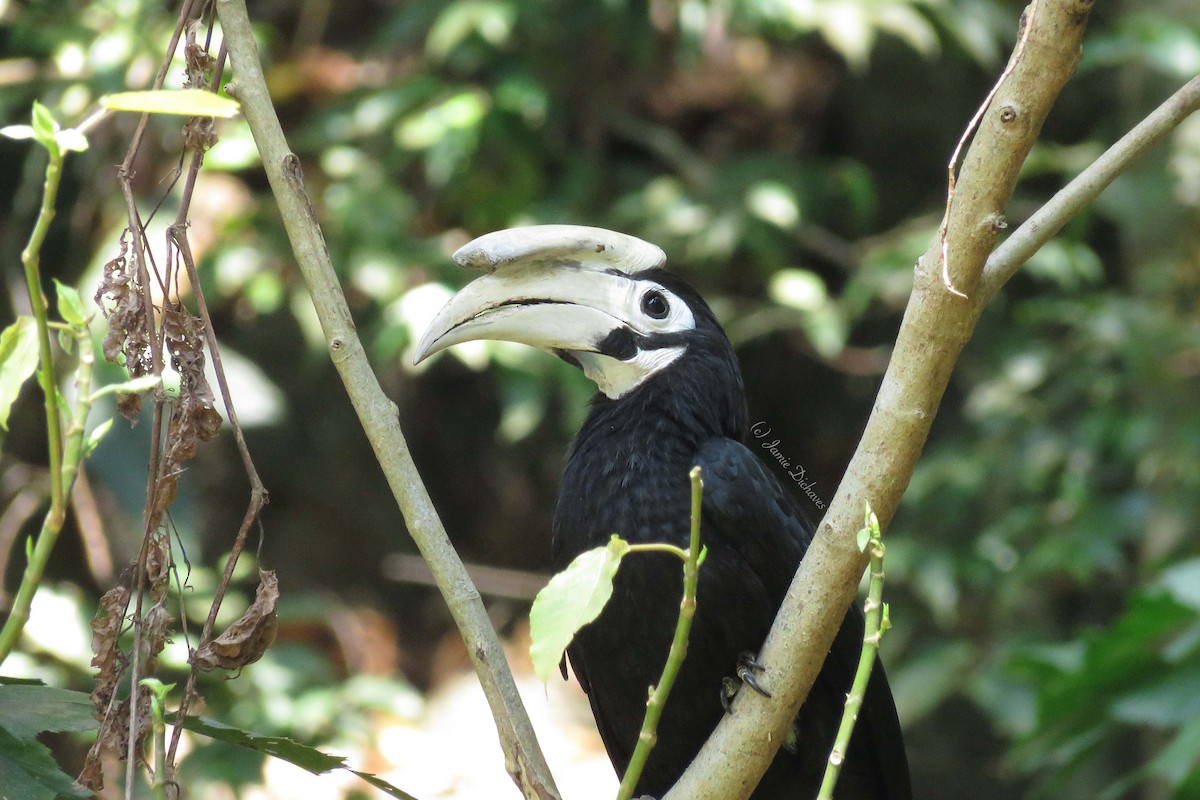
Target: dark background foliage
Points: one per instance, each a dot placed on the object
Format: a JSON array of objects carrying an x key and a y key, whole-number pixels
[{"x": 790, "y": 157}]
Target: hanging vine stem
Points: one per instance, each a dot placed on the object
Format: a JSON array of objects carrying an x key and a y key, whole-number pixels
[{"x": 204, "y": 70}]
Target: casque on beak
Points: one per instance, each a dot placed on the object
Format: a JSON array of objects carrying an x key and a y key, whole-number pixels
[{"x": 557, "y": 287}]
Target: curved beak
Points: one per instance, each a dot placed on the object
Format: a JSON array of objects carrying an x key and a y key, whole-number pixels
[{"x": 557, "y": 287}]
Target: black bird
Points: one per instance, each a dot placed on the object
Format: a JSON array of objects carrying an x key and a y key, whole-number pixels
[{"x": 671, "y": 397}]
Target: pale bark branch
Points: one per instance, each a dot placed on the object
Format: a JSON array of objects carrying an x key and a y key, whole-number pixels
[
  {"x": 937, "y": 324},
  {"x": 377, "y": 412}
]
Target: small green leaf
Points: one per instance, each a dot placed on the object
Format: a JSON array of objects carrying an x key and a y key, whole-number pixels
[
  {"x": 70, "y": 307},
  {"x": 158, "y": 695},
  {"x": 71, "y": 139},
  {"x": 863, "y": 539},
  {"x": 64, "y": 407},
  {"x": 18, "y": 360},
  {"x": 186, "y": 102},
  {"x": 66, "y": 340},
  {"x": 44, "y": 126},
  {"x": 18, "y": 131},
  {"x": 131, "y": 386},
  {"x": 572, "y": 599},
  {"x": 94, "y": 438}
]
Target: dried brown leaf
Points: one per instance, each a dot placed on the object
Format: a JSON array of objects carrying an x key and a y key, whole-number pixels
[
  {"x": 155, "y": 634},
  {"x": 245, "y": 641},
  {"x": 106, "y": 655},
  {"x": 158, "y": 564},
  {"x": 194, "y": 418},
  {"x": 120, "y": 299},
  {"x": 198, "y": 60},
  {"x": 199, "y": 133}
]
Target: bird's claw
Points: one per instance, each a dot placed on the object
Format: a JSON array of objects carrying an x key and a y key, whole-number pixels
[
  {"x": 747, "y": 670},
  {"x": 748, "y": 667}
]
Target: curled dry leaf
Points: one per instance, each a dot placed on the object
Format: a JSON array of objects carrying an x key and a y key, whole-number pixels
[
  {"x": 155, "y": 631},
  {"x": 199, "y": 62},
  {"x": 194, "y": 419},
  {"x": 199, "y": 133},
  {"x": 120, "y": 299},
  {"x": 106, "y": 655},
  {"x": 158, "y": 565},
  {"x": 110, "y": 663},
  {"x": 245, "y": 641}
]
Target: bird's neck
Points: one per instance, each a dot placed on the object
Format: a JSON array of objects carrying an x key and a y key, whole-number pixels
[{"x": 627, "y": 472}]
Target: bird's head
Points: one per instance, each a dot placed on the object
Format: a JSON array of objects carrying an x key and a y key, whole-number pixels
[{"x": 597, "y": 298}]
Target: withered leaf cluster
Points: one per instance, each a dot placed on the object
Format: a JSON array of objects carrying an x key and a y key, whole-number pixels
[
  {"x": 194, "y": 417},
  {"x": 124, "y": 306},
  {"x": 112, "y": 666},
  {"x": 245, "y": 641},
  {"x": 199, "y": 133}
]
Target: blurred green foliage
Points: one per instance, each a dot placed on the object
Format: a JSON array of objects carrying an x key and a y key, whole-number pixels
[{"x": 790, "y": 157}]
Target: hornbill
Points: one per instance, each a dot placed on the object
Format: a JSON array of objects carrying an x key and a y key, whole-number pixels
[{"x": 671, "y": 396}]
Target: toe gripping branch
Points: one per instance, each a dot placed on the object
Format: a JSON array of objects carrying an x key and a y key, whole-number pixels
[{"x": 748, "y": 669}]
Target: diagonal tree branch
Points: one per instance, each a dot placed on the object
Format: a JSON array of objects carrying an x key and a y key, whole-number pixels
[
  {"x": 377, "y": 412},
  {"x": 937, "y": 325}
]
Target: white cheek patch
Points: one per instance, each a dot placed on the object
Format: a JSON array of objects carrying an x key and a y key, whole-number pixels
[{"x": 617, "y": 378}]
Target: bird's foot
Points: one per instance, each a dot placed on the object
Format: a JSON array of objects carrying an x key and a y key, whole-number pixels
[
  {"x": 747, "y": 671},
  {"x": 748, "y": 667}
]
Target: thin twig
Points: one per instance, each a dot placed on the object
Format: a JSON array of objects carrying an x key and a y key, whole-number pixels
[
  {"x": 1050, "y": 218},
  {"x": 377, "y": 413},
  {"x": 258, "y": 492},
  {"x": 648, "y": 736},
  {"x": 876, "y": 623},
  {"x": 31, "y": 260}
]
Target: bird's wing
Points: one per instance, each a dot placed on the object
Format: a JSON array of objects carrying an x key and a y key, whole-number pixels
[
  {"x": 749, "y": 508},
  {"x": 762, "y": 521}
]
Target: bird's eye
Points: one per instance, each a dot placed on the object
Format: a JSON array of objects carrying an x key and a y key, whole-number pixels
[{"x": 655, "y": 305}]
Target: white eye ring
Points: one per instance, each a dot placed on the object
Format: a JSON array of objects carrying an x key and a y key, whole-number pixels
[{"x": 658, "y": 310}]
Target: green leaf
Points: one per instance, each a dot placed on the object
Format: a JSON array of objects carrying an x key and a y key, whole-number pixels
[
  {"x": 18, "y": 131},
  {"x": 94, "y": 438},
  {"x": 18, "y": 360},
  {"x": 303, "y": 756},
  {"x": 863, "y": 539},
  {"x": 44, "y": 126},
  {"x": 131, "y": 386},
  {"x": 186, "y": 102},
  {"x": 28, "y": 771},
  {"x": 71, "y": 139},
  {"x": 70, "y": 306},
  {"x": 572, "y": 599},
  {"x": 66, "y": 340},
  {"x": 26, "y": 711}
]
